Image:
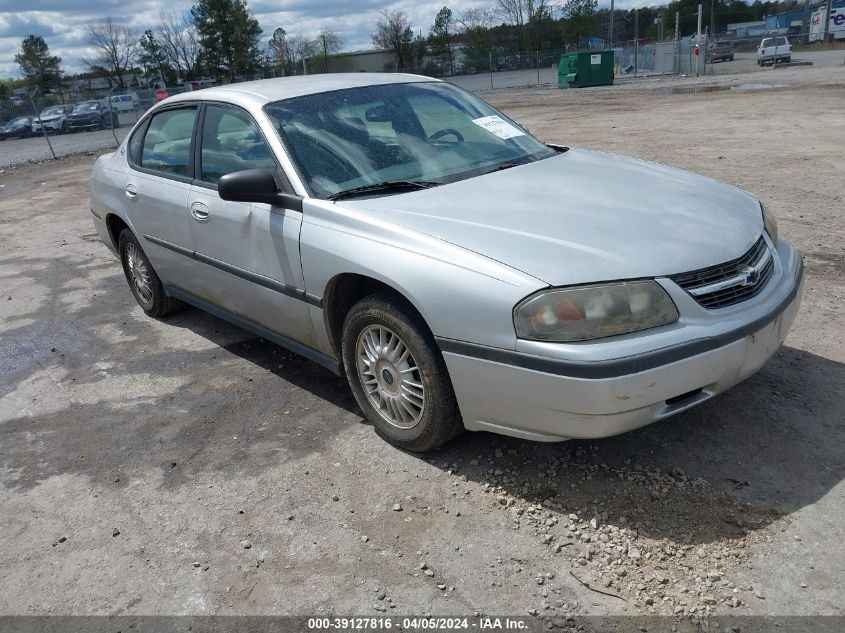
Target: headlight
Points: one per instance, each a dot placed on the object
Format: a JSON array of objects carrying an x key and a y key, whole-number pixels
[
  {"x": 770, "y": 224},
  {"x": 589, "y": 312}
]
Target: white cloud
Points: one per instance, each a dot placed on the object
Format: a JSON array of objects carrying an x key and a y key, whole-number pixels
[{"x": 62, "y": 22}]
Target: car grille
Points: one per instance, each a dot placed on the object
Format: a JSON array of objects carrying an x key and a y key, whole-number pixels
[{"x": 730, "y": 283}]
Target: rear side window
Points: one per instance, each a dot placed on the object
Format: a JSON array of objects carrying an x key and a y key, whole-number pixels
[
  {"x": 231, "y": 142},
  {"x": 167, "y": 142}
]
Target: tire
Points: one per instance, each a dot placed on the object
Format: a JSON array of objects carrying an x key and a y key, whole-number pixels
[
  {"x": 149, "y": 291},
  {"x": 65, "y": 128},
  {"x": 787, "y": 60},
  {"x": 430, "y": 417}
]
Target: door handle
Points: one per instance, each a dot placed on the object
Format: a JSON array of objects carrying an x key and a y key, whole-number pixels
[
  {"x": 131, "y": 192},
  {"x": 199, "y": 211}
]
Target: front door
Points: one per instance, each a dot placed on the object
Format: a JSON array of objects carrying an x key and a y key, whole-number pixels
[{"x": 249, "y": 253}]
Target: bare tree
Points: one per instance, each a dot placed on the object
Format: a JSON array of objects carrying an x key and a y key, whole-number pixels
[
  {"x": 302, "y": 48},
  {"x": 521, "y": 13},
  {"x": 118, "y": 47},
  {"x": 393, "y": 33},
  {"x": 475, "y": 18},
  {"x": 180, "y": 43},
  {"x": 330, "y": 43}
]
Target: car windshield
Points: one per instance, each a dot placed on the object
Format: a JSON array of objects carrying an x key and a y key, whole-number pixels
[
  {"x": 87, "y": 106},
  {"x": 52, "y": 111},
  {"x": 19, "y": 121},
  {"x": 430, "y": 132}
]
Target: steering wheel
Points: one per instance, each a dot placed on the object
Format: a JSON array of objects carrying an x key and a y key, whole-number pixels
[{"x": 446, "y": 132}]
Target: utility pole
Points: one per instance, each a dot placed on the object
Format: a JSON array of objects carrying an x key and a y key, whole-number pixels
[
  {"x": 712, "y": 19},
  {"x": 677, "y": 42},
  {"x": 826, "y": 21},
  {"x": 698, "y": 43},
  {"x": 611, "y": 23},
  {"x": 636, "y": 40},
  {"x": 805, "y": 25}
]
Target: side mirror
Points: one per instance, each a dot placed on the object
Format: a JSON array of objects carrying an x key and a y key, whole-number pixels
[{"x": 256, "y": 185}]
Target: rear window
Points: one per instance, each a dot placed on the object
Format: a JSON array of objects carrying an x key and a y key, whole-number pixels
[{"x": 167, "y": 142}]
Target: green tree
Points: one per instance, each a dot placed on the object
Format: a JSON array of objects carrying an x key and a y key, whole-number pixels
[
  {"x": 439, "y": 37},
  {"x": 475, "y": 24},
  {"x": 151, "y": 57},
  {"x": 229, "y": 37},
  {"x": 37, "y": 65},
  {"x": 579, "y": 20}
]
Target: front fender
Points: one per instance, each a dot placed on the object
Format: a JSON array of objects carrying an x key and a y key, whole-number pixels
[{"x": 461, "y": 295}]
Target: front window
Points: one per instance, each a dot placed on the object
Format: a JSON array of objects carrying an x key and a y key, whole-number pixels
[
  {"x": 426, "y": 131},
  {"x": 54, "y": 111},
  {"x": 88, "y": 106},
  {"x": 231, "y": 142}
]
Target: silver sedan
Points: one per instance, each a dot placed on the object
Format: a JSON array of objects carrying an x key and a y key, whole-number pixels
[{"x": 461, "y": 273}]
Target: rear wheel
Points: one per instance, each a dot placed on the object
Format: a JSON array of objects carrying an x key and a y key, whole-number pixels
[
  {"x": 397, "y": 374},
  {"x": 142, "y": 279}
]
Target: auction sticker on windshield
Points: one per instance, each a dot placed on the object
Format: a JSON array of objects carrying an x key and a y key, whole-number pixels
[{"x": 498, "y": 126}]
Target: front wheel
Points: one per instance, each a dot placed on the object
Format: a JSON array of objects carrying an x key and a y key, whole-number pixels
[
  {"x": 398, "y": 375},
  {"x": 143, "y": 281}
]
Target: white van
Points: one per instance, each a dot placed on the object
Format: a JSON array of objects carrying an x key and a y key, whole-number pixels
[{"x": 124, "y": 103}]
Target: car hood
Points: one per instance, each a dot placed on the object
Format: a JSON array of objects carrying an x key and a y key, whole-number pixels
[
  {"x": 584, "y": 216},
  {"x": 50, "y": 119}
]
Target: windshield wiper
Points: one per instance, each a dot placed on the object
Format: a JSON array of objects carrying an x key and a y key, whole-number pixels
[
  {"x": 384, "y": 187},
  {"x": 508, "y": 164}
]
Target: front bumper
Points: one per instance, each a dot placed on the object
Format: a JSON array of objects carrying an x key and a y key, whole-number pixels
[
  {"x": 77, "y": 124},
  {"x": 550, "y": 400},
  {"x": 49, "y": 126}
]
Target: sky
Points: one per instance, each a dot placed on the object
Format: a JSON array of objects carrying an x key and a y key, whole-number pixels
[{"x": 62, "y": 22}]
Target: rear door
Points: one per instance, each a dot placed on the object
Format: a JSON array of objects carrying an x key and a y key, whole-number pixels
[
  {"x": 249, "y": 251},
  {"x": 156, "y": 190}
]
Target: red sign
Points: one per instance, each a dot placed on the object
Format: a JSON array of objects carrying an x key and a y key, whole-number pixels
[
  {"x": 697, "y": 52},
  {"x": 161, "y": 94}
]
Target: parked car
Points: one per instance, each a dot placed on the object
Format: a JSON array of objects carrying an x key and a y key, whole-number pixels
[
  {"x": 19, "y": 127},
  {"x": 773, "y": 50},
  {"x": 459, "y": 272},
  {"x": 720, "y": 52},
  {"x": 52, "y": 119},
  {"x": 92, "y": 115},
  {"x": 125, "y": 103}
]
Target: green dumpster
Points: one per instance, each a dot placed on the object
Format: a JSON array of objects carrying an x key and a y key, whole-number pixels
[{"x": 588, "y": 68}]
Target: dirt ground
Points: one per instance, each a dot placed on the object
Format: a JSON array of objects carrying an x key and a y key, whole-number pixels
[{"x": 185, "y": 467}]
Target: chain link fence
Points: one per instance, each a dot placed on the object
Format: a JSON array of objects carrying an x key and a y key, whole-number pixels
[{"x": 38, "y": 126}]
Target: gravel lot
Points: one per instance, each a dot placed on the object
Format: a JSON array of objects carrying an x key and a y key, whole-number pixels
[{"x": 185, "y": 466}]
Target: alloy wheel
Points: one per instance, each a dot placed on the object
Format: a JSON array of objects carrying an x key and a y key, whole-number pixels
[
  {"x": 139, "y": 274},
  {"x": 390, "y": 376}
]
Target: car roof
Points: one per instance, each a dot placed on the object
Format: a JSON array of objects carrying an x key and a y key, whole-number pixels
[{"x": 267, "y": 90}]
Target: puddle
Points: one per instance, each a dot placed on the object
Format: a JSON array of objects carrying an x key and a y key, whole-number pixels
[
  {"x": 743, "y": 87},
  {"x": 681, "y": 90}
]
